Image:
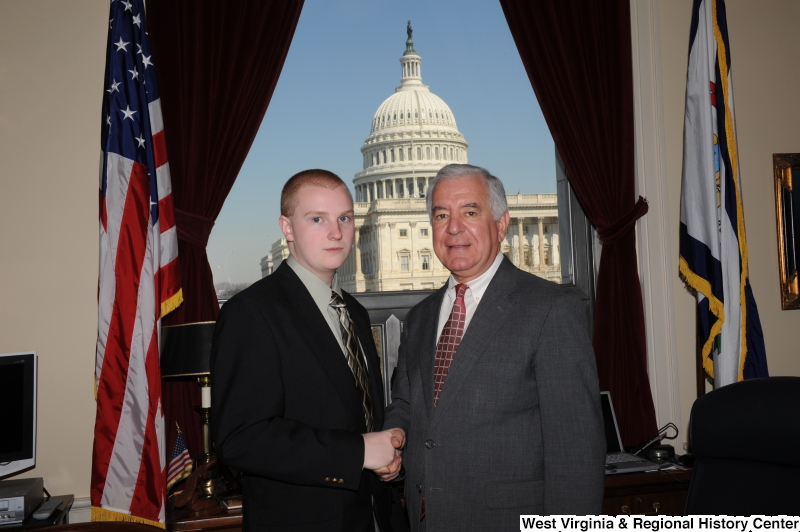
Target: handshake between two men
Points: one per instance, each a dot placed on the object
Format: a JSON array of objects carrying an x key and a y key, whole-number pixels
[{"x": 383, "y": 452}]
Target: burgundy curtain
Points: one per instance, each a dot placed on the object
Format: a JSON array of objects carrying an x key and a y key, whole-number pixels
[
  {"x": 218, "y": 64},
  {"x": 578, "y": 58}
]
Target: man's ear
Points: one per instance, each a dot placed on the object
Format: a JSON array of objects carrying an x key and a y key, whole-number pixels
[
  {"x": 286, "y": 227},
  {"x": 502, "y": 225}
]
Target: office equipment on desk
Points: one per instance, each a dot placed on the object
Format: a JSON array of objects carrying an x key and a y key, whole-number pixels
[
  {"x": 18, "y": 395},
  {"x": 18, "y": 498},
  {"x": 617, "y": 460}
]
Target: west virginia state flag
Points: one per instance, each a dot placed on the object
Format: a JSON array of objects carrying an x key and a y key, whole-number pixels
[{"x": 713, "y": 247}]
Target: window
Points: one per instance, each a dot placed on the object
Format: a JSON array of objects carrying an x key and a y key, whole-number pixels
[
  {"x": 403, "y": 233},
  {"x": 423, "y": 231},
  {"x": 426, "y": 262},
  {"x": 525, "y": 230},
  {"x": 403, "y": 263}
]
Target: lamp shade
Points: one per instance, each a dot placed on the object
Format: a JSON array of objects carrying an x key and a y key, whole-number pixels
[{"x": 186, "y": 349}]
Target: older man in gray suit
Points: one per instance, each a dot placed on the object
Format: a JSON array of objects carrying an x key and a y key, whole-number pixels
[{"x": 496, "y": 383}]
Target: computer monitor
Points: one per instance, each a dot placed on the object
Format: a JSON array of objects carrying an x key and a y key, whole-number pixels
[{"x": 18, "y": 372}]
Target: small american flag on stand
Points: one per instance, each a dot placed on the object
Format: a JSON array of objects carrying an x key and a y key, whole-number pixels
[{"x": 180, "y": 464}]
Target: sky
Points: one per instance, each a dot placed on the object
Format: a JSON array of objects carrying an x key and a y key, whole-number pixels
[{"x": 342, "y": 64}]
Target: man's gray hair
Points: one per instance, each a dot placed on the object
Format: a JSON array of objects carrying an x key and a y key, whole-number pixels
[{"x": 497, "y": 194}]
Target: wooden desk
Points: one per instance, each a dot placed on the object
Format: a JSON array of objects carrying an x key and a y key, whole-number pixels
[
  {"x": 662, "y": 493},
  {"x": 655, "y": 493},
  {"x": 59, "y": 517},
  {"x": 227, "y": 521}
]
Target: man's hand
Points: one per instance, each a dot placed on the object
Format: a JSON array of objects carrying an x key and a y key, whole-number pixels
[
  {"x": 390, "y": 471},
  {"x": 379, "y": 449}
]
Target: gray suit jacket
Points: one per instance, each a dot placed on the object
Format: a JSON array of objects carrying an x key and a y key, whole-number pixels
[{"x": 518, "y": 428}]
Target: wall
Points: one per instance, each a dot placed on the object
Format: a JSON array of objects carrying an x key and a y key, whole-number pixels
[
  {"x": 763, "y": 52},
  {"x": 51, "y": 76}
]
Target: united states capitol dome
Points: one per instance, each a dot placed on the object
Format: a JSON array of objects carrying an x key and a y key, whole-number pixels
[{"x": 413, "y": 134}]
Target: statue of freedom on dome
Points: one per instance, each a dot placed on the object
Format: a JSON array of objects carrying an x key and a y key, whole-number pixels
[{"x": 409, "y": 30}]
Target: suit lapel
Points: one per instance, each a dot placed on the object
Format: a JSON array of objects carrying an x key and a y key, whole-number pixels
[
  {"x": 489, "y": 316},
  {"x": 426, "y": 347},
  {"x": 316, "y": 333}
]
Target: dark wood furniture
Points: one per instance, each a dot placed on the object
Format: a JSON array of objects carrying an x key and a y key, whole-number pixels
[
  {"x": 661, "y": 493},
  {"x": 654, "y": 493},
  {"x": 228, "y": 521},
  {"x": 58, "y": 517}
]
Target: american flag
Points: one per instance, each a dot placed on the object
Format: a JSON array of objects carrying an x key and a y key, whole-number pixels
[
  {"x": 139, "y": 279},
  {"x": 180, "y": 465}
]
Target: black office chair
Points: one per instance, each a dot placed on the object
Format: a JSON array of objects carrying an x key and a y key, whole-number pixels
[{"x": 745, "y": 438}]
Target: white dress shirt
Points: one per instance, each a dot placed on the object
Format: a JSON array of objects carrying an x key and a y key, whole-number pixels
[{"x": 472, "y": 297}]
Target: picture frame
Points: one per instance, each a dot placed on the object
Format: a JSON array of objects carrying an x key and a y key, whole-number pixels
[{"x": 787, "y": 209}]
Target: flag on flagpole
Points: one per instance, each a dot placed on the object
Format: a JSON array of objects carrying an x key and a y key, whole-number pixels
[
  {"x": 713, "y": 247},
  {"x": 180, "y": 464},
  {"x": 139, "y": 280}
]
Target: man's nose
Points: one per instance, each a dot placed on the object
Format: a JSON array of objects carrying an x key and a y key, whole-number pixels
[
  {"x": 335, "y": 233},
  {"x": 454, "y": 225}
]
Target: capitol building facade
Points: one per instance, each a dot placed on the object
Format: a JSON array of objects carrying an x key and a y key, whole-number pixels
[{"x": 414, "y": 134}]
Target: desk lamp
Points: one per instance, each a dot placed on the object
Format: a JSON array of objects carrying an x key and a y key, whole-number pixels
[{"x": 186, "y": 352}]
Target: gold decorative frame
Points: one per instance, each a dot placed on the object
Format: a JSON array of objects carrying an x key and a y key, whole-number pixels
[{"x": 787, "y": 209}]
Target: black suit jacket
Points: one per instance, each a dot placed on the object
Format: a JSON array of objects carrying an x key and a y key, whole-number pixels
[{"x": 286, "y": 412}]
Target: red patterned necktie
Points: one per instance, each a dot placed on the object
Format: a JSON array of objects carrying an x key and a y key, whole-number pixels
[
  {"x": 449, "y": 341},
  {"x": 446, "y": 349}
]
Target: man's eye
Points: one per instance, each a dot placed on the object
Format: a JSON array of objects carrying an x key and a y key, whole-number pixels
[
  {"x": 344, "y": 218},
  {"x": 440, "y": 216},
  {"x": 316, "y": 219},
  {"x": 471, "y": 213}
]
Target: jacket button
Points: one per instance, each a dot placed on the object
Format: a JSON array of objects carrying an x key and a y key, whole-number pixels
[
  {"x": 430, "y": 444},
  {"x": 341, "y": 481},
  {"x": 327, "y": 479},
  {"x": 334, "y": 480},
  {"x": 419, "y": 488}
]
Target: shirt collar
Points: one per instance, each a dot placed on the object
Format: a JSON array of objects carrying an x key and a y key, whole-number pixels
[
  {"x": 320, "y": 292},
  {"x": 478, "y": 285}
]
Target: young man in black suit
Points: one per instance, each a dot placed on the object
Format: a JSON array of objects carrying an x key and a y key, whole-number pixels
[{"x": 297, "y": 387}]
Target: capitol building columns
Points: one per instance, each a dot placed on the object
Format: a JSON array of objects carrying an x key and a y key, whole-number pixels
[{"x": 412, "y": 135}]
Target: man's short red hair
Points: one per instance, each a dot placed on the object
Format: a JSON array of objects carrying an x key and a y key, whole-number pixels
[{"x": 316, "y": 178}]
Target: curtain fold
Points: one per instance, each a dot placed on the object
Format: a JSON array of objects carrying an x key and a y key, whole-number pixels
[
  {"x": 578, "y": 58},
  {"x": 218, "y": 64}
]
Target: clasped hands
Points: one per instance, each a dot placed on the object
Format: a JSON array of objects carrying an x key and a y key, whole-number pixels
[{"x": 383, "y": 452}]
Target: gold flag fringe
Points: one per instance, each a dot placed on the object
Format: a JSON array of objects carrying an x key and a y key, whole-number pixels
[
  {"x": 101, "y": 514},
  {"x": 172, "y": 303},
  {"x": 184, "y": 474}
]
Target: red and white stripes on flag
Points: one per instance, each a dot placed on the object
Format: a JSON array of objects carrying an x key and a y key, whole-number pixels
[
  {"x": 139, "y": 280},
  {"x": 180, "y": 464}
]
